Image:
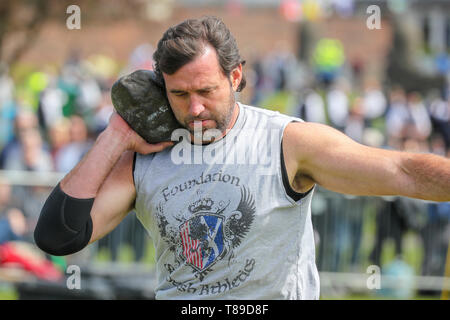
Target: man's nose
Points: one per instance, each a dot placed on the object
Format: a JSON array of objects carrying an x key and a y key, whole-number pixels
[{"x": 195, "y": 106}]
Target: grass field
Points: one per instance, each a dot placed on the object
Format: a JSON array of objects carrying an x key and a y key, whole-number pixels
[{"x": 8, "y": 293}]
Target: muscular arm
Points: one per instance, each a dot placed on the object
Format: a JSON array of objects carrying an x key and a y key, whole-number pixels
[
  {"x": 331, "y": 159},
  {"x": 103, "y": 178},
  {"x": 105, "y": 173}
]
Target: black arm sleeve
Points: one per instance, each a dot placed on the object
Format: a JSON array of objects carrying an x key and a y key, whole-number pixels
[{"x": 65, "y": 225}]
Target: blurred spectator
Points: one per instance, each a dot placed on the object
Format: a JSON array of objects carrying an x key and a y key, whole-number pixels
[
  {"x": 16, "y": 250},
  {"x": 5, "y": 195},
  {"x": 6, "y": 85},
  {"x": 70, "y": 154},
  {"x": 398, "y": 215},
  {"x": 436, "y": 238},
  {"x": 24, "y": 120},
  {"x": 374, "y": 101},
  {"x": 312, "y": 109},
  {"x": 338, "y": 105},
  {"x": 68, "y": 82},
  {"x": 440, "y": 116},
  {"x": 437, "y": 145},
  {"x": 89, "y": 95},
  {"x": 420, "y": 123},
  {"x": 390, "y": 224},
  {"x": 30, "y": 154},
  {"x": 59, "y": 137},
  {"x": 7, "y": 107},
  {"x": 344, "y": 8},
  {"x": 276, "y": 66},
  {"x": 436, "y": 232},
  {"x": 397, "y": 116},
  {"x": 51, "y": 104},
  {"x": 274, "y": 73},
  {"x": 346, "y": 220},
  {"x": 403, "y": 273},
  {"x": 13, "y": 224},
  {"x": 329, "y": 57},
  {"x": 354, "y": 126},
  {"x": 102, "y": 113},
  {"x": 129, "y": 231},
  {"x": 258, "y": 82}
]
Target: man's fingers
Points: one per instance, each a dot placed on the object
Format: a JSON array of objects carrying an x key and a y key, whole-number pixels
[
  {"x": 165, "y": 144},
  {"x": 157, "y": 147}
]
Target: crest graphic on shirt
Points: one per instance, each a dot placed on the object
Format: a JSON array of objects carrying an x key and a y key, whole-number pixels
[
  {"x": 211, "y": 232},
  {"x": 209, "y": 235},
  {"x": 202, "y": 240}
]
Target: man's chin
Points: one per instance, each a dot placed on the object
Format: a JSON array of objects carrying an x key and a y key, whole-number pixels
[
  {"x": 206, "y": 135},
  {"x": 201, "y": 125}
]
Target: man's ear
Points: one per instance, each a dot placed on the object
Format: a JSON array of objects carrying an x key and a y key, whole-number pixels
[{"x": 236, "y": 77}]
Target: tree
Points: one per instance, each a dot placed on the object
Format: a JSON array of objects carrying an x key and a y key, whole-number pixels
[
  {"x": 400, "y": 69},
  {"x": 21, "y": 20}
]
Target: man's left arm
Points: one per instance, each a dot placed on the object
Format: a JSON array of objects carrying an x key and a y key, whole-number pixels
[{"x": 338, "y": 163}]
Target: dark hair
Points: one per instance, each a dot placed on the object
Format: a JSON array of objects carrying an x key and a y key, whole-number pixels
[{"x": 182, "y": 43}]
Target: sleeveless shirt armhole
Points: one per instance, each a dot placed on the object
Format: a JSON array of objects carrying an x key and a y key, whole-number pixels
[
  {"x": 132, "y": 173},
  {"x": 134, "y": 166},
  {"x": 296, "y": 196}
]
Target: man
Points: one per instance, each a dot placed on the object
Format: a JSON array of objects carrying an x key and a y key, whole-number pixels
[{"x": 226, "y": 222}]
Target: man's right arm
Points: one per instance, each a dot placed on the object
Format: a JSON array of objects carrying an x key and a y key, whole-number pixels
[{"x": 96, "y": 195}]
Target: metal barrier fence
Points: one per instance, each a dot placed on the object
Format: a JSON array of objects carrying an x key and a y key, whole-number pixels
[{"x": 387, "y": 246}]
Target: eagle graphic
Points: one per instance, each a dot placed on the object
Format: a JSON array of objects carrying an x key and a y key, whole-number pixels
[{"x": 238, "y": 223}]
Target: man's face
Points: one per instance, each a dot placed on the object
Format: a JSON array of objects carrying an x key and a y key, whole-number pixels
[{"x": 201, "y": 95}]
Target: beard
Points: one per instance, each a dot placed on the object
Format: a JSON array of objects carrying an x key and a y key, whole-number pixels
[{"x": 222, "y": 121}]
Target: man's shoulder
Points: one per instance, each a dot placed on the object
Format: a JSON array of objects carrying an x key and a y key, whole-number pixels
[
  {"x": 259, "y": 110},
  {"x": 254, "y": 112}
]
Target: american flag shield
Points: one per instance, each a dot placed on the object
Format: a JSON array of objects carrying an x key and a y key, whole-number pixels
[{"x": 202, "y": 240}]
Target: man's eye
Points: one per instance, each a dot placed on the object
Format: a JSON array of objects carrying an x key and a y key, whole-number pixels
[{"x": 180, "y": 94}]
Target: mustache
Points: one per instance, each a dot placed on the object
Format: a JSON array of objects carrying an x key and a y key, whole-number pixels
[{"x": 189, "y": 119}]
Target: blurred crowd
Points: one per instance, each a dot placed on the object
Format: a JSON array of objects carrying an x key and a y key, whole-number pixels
[
  {"x": 48, "y": 122},
  {"x": 51, "y": 119},
  {"x": 334, "y": 92}
]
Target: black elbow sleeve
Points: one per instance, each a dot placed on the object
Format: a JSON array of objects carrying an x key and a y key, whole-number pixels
[{"x": 65, "y": 225}]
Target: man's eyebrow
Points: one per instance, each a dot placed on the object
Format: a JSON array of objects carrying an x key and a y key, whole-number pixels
[
  {"x": 208, "y": 88},
  {"x": 176, "y": 91},
  {"x": 202, "y": 89}
]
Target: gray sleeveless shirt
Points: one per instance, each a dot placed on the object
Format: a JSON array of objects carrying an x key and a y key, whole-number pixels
[{"x": 220, "y": 217}]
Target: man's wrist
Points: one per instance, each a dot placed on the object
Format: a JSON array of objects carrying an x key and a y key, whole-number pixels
[
  {"x": 114, "y": 139},
  {"x": 84, "y": 180}
]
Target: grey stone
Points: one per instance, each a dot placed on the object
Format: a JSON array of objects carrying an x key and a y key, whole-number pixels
[{"x": 142, "y": 102}]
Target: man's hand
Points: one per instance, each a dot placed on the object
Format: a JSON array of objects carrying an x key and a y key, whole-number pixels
[{"x": 132, "y": 141}]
